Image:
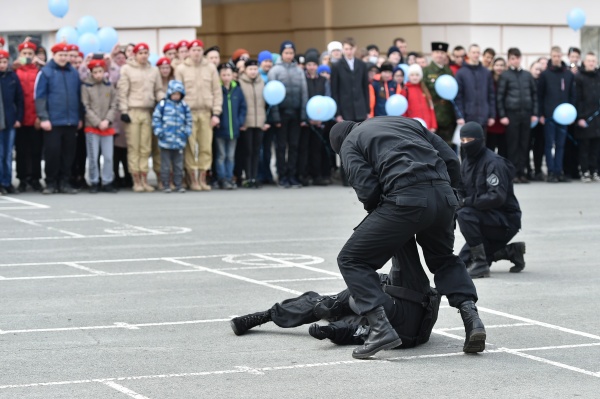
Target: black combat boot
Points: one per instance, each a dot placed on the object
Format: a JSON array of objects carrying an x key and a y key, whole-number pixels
[
  {"x": 514, "y": 253},
  {"x": 241, "y": 324},
  {"x": 479, "y": 266},
  {"x": 382, "y": 335},
  {"x": 321, "y": 332},
  {"x": 474, "y": 328}
]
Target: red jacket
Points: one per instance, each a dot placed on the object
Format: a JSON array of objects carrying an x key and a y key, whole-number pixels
[
  {"x": 27, "y": 75},
  {"x": 419, "y": 106}
]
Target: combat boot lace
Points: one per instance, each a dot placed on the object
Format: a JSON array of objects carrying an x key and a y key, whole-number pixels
[{"x": 241, "y": 324}]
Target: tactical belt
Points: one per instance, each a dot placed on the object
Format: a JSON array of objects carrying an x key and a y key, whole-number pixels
[{"x": 405, "y": 293}]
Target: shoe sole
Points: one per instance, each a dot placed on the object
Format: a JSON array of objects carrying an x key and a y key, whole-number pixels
[
  {"x": 390, "y": 345},
  {"x": 476, "y": 343},
  {"x": 234, "y": 328}
]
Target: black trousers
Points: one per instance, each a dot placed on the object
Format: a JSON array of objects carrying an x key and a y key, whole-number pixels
[
  {"x": 425, "y": 210},
  {"x": 537, "y": 143},
  {"x": 313, "y": 158},
  {"x": 29, "y": 143},
  {"x": 120, "y": 158},
  {"x": 266, "y": 152},
  {"x": 78, "y": 171},
  {"x": 252, "y": 140},
  {"x": 497, "y": 141},
  {"x": 588, "y": 154},
  {"x": 59, "y": 152},
  {"x": 517, "y": 140},
  {"x": 287, "y": 143},
  {"x": 483, "y": 227},
  {"x": 239, "y": 159}
]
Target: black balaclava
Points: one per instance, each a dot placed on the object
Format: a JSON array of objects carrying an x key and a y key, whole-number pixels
[
  {"x": 338, "y": 134},
  {"x": 472, "y": 130}
]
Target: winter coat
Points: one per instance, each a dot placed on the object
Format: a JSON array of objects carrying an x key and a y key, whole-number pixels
[
  {"x": 202, "y": 85},
  {"x": 139, "y": 86},
  {"x": 27, "y": 75},
  {"x": 172, "y": 120},
  {"x": 444, "y": 110},
  {"x": 318, "y": 86},
  {"x": 379, "y": 92},
  {"x": 234, "y": 113},
  {"x": 253, "y": 88},
  {"x": 12, "y": 98},
  {"x": 476, "y": 99},
  {"x": 296, "y": 91},
  {"x": 350, "y": 90},
  {"x": 100, "y": 102},
  {"x": 588, "y": 103},
  {"x": 419, "y": 106},
  {"x": 556, "y": 86},
  {"x": 517, "y": 91},
  {"x": 58, "y": 95},
  {"x": 497, "y": 127}
]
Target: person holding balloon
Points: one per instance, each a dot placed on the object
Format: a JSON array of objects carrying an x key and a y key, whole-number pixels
[
  {"x": 381, "y": 89},
  {"x": 420, "y": 104}
]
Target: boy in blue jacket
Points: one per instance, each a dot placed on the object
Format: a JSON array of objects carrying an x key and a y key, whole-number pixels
[
  {"x": 228, "y": 130},
  {"x": 172, "y": 124}
]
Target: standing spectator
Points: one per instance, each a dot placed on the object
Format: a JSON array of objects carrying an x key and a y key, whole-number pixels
[
  {"x": 290, "y": 115},
  {"x": 58, "y": 105},
  {"x": 372, "y": 71},
  {"x": 571, "y": 154},
  {"x": 488, "y": 58},
  {"x": 213, "y": 55},
  {"x": 543, "y": 61},
  {"x": 172, "y": 124},
  {"x": 42, "y": 55},
  {"x": 265, "y": 176},
  {"x": 587, "y": 82},
  {"x": 205, "y": 98},
  {"x": 228, "y": 129},
  {"x": 402, "y": 45},
  {"x": 556, "y": 86},
  {"x": 420, "y": 104},
  {"x": 265, "y": 63},
  {"x": 140, "y": 88},
  {"x": 166, "y": 72},
  {"x": 167, "y": 75},
  {"x": 78, "y": 168},
  {"x": 458, "y": 58},
  {"x": 537, "y": 141},
  {"x": 421, "y": 60},
  {"x": 412, "y": 58},
  {"x": 399, "y": 78},
  {"x": 372, "y": 53},
  {"x": 325, "y": 71},
  {"x": 350, "y": 86},
  {"x": 170, "y": 51},
  {"x": 182, "y": 53},
  {"x": 496, "y": 134},
  {"x": 574, "y": 59},
  {"x": 129, "y": 51},
  {"x": 335, "y": 51},
  {"x": 29, "y": 138},
  {"x": 394, "y": 56},
  {"x": 381, "y": 89},
  {"x": 238, "y": 59},
  {"x": 517, "y": 109},
  {"x": 99, "y": 99},
  {"x": 476, "y": 99},
  {"x": 11, "y": 117},
  {"x": 444, "y": 110}
]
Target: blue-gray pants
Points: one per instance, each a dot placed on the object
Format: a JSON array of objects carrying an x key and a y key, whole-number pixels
[
  {"x": 97, "y": 145},
  {"x": 171, "y": 159}
]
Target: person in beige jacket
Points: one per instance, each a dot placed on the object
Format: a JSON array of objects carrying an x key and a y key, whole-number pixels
[
  {"x": 205, "y": 97},
  {"x": 140, "y": 88}
]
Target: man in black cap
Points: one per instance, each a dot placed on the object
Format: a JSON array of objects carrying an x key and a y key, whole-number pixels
[
  {"x": 402, "y": 173},
  {"x": 490, "y": 215}
]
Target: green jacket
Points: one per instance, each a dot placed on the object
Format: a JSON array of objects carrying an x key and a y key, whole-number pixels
[{"x": 444, "y": 110}]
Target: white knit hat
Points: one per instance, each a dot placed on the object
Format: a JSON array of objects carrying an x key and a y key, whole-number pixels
[
  {"x": 415, "y": 68},
  {"x": 334, "y": 46}
]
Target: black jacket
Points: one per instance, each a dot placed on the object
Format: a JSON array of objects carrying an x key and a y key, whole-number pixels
[
  {"x": 476, "y": 98},
  {"x": 588, "y": 103},
  {"x": 350, "y": 90},
  {"x": 386, "y": 153},
  {"x": 556, "y": 86},
  {"x": 487, "y": 186},
  {"x": 517, "y": 91},
  {"x": 317, "y": 86}
]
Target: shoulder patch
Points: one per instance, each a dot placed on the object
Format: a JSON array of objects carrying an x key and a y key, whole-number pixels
[{"x": 493, "y": 180}]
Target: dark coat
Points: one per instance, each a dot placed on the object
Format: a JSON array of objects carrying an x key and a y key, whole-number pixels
[
  {"x": 476, "y": 99},
  {"x": 57, "y": 95},
  {"x": 234, "y": 112},
  {"x": 401, "y": 154},
  {"x": 350, "y": 90},
  {"x": 556, "y": 86},
  {"x": 12, "y": 98},
  {"x": 318, "y": 86},
  {"x": 588, "y": 103},
  {"x": 517, "y": 91}
]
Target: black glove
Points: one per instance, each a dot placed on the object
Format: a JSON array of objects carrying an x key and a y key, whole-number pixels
[{"x": 125, "y": 118}]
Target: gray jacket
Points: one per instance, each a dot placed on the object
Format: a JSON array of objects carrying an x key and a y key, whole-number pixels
[{"x": 296, "y": 91}]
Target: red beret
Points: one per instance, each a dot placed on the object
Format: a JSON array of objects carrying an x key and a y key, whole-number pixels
[
  {"x": 27, "y": 45},
  {"x": 73, "y": 47},
  {"x": 140, "y": 46},
  {"x": 97, "y": 63},
  {"x": 196, "y": 43},
  {"x": 169, "y": 46},
  {"x": 163, "y": 61},
  {"x": 183, "y": 43},
  {"x": 4, "y": 54},
  {"x": 2, "y": 41},
  {"x": 57, "y": 48},
  {"x": 81, "y": 55}
]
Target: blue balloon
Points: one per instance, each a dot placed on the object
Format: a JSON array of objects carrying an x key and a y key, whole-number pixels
[
  {"x": 564, "y": 114},
  {"x": 88, "y": 43},
  {"x": 274, "y": 92},
  {"x": 153, "y": 58},
  {"x": 576, "y": 18},
  {"x": 396, "y": 105},
  {"x": 58, "y": 8},
  {"x": 67, "y": 34},
  {"x": 331, "y": 108},
  {"x": 108, "y": 38},
  {"x": 317, "y": 108},
  {"x": 404, "y": 68},
  {"x": 87, "y": 24},
  {"x": 446, "y": 87}
]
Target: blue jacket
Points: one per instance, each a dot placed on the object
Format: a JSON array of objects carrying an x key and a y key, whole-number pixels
[
  {"x": 234, "y": 113},
  {"x": 12, "y": 98},
  {"x": 172, "y": 120},
  {"x": 476, "y": 99},
  {"x": 382, "y": 91},
  {"x": 555, "y": 86},
  {"x": 58, "y": 95}
]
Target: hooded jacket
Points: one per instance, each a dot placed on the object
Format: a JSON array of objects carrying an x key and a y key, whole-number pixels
[
  {"x": 234, "y": 112},
  {"x": 12, "y": 98},
  {"x": 172, "y": 120},
  {"x": 588, "y": 103},
  {"x": 100, "y": 102},
  {"x": 476, "y": 98},
  {"x": 58, "y": 94},
  {"x": 27, "y": 75},
  {"x": 556, "y": 86},
  {"x": 296, "y": 90},
  {"x": 139, "y": 86},
  {"x": 253, "y": 88},
  {"x": 202, "y": 85}
]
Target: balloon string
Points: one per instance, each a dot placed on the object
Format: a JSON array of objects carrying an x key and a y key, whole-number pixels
[{"x": 456, "y": 110}]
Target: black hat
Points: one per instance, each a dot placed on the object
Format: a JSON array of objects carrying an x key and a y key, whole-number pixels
[
  {"x": 387, "y": 66},
  {"x": 372, "y": 47},
  {"x": 338, "y": 134},
  {"x": 371, "y": 66},
  {"x": 393, "y": 49},
  {"x": 251, "y": 63},
  {"x": 226, "y": 65},
  {"x": 439, "y": 46},
  {"x": 471, "y": 130},
  {"x": 311, "y": 57}
]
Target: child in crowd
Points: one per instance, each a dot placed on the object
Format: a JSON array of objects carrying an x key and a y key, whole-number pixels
[
  {"x": 167, "y": 74},
  {"x": 399, "y": 78},
  {"x": 172, "y": 124},
  {"x": 99, "y": 97},
  {"x": 381, "y": 89},
  {"x": 325, "y": 71},
  {"x": 420, "y": 104},
  {"x": 227, "y": 131}
]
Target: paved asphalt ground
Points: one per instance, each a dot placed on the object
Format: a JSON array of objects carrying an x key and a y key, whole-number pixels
[{"x": 128, "y": 295}]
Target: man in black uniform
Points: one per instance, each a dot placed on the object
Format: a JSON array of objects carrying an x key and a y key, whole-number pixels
[
  {"x": 490, "y": 215},
  {"x": 402, "y": 173}
]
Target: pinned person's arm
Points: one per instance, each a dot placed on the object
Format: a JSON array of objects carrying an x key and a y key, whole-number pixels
[
  {"x": 361, "y": 177},
  {"x": 448, "y": 156},
  {"x": 497, "y": 183}
]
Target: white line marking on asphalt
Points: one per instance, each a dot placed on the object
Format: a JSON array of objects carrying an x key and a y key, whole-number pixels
[
  {"x": 62, "y": 220},
  {"x": 550, "y": 362},
  {"x": 487, "y": 326},
  {"x": 23, "y": 202},
  {"x": 29, "y": 222},
  {"x": 103, "y": 219},
  {"x": 545, "y": 348},
  {"x": 292, "y": 280},
  {"x": 112, "y": 260},
  {"x": 100, "y": 275},
  {"x": 80, "y": 267},
  {"x": 249, "y": 370},
  {"x": 125, "y": 390},
  {"x": 298, "y": 265}
]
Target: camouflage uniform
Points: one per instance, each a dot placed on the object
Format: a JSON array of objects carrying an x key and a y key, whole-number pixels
[{"x": 444, "y": 110}]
